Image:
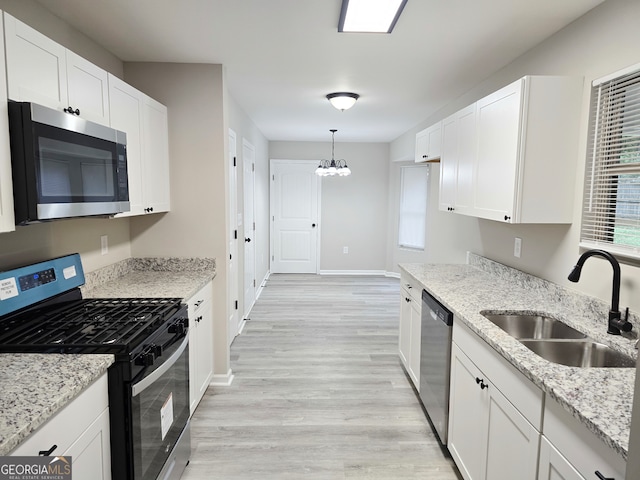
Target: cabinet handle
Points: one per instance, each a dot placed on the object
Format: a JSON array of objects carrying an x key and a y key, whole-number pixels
[
  {"x": 602, "y": 477},
  {"x": 198, "y": 303},
  {"x": 199, "y": 319},
  {"x": 480, "y": 382},
  {"x": 506, "y": 218},
  {"x": 46, "y": 453},
  {"x": 149, "y": 209},
  {"x": 425, "y": 156},
  {"x": 451, "y": 209},
  {"x": 409, "y": 286},
  {"x": 406, "y": 299},
  {"x": 70, "y": 110}
]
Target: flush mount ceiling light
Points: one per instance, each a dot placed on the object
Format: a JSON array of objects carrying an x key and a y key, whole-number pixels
[
  {"x": 370, "y": 16},
  {"x": 343, "y": 100},
  {"x": 329, "y": 168}
]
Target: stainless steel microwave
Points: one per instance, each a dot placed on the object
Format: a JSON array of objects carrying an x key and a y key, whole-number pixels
[{"x": 64, "y": 166}]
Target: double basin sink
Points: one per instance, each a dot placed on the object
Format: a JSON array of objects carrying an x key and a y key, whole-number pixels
[{"x": 557, "y": 342}]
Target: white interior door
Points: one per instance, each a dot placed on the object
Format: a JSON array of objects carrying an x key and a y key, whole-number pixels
[
  {"x": 232, "y": 272},
  {"x": 249, "y": 285},
  {"x": 294, "y": 216}
]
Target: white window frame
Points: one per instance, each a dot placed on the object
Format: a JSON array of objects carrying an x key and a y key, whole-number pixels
[
  {"x": 613, "y": 166},
  {"x": 412, "y": 212}
]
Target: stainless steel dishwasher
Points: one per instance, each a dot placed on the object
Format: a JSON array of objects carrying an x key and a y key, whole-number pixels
[{"x": 435, "y": 362}]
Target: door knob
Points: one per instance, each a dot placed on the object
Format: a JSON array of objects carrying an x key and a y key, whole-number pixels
[
  {"x": 313, "y": 225},
  {"x": 247, "y": 240}
]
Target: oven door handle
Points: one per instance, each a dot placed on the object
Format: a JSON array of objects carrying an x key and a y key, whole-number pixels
[{"x": 142, "y": 385}]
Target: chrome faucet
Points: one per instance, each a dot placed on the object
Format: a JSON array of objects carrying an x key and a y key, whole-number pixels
[{"x": 616, "y": 322}]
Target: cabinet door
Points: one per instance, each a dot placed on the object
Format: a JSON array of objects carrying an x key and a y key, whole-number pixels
[
  {"x": 422, "y": 145},
  {"x": 404, "y": 328},
  {"x": 7, "y": 223},
  {"x": 449, "y": 163},
  {"x": 156, "y": 157},
  {"x": 88, "y": 89},
  {"x": 553, "y": 466},
  {"x": 467, "y": 416},
  {"x": 126, "y": 106},
  {"x": 467, "y": 151},
  {"x": 496, "y": 166},
  {"x": 36, "y": 66},
  {"x": 429, "y": 143},
  {"x": 512, "y": 442},
  {"x": 200, "y": 344},
  {"x": 91, "y": 453}
]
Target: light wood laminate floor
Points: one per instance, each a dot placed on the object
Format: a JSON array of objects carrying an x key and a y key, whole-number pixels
[{"x": 319, "y": 392}]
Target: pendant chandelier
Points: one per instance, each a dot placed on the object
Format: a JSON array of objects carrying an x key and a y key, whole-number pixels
[{"x": 329, "y": 168}]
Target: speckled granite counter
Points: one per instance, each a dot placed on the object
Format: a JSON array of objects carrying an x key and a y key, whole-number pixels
[
  {"x": 35, "y": 387},
  {"x": 600, "y": 398},
  {"x": 150, "y": 277}
]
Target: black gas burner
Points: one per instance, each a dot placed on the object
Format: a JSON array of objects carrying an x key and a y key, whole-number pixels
[{"x": 87, "y": 325}]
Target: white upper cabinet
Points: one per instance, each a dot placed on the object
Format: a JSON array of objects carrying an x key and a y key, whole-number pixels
[
  {"x": 456, "y": 161},
  {"x": 125, "y": 104},
  {"x": 145, "y": 122},
  {"x": 42, "y": 71},
  {"x": 512, "y": 155},
  {"x": 88, "y": 89},
  {"x": 36, "y": 66},
  {"x": 7, "y": 223},
  {"x": 156, "y": 156},
  {"x": 429, "y": 143}
]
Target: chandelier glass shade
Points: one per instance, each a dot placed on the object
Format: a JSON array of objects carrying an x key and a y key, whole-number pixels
[{"x": 329, "y": 168}]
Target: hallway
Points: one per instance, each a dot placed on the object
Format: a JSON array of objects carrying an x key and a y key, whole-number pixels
[{"x": 319, "y": 392}]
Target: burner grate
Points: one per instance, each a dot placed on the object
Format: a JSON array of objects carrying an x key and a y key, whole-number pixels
[{"x": 93, "y": 324}]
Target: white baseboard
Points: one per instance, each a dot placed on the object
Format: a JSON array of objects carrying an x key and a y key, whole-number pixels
[
  {"x": 370, "y": 273},
  {"x": 261, "y": 287},
  {"x": 222, "y": 380},
  {"x": 392, "y": 274}
]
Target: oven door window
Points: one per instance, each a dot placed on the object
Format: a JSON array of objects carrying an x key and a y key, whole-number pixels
[
  {"x": 160, "y": 412},
  {"x": 74, "y": 168}
]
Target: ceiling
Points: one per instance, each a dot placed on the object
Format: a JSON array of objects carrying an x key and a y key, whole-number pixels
[{"x": 283, "y": 56}]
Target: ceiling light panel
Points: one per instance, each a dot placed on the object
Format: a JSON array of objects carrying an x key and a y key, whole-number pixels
[{"x": 370, "y": 16}]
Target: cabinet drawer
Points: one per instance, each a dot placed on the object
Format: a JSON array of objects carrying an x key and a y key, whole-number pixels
[
  {"x": 66, "y": 426},
  {"x": 412, "y": 287},
  {"x": 522, "y": 393},
  {"x": 198, "y": 301},
  {"x": 581, "y": 447}
]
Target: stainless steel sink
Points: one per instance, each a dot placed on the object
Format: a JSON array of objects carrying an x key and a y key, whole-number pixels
[
  {"x": 586, "y": 353},
  {"x": 523, "y": 326}
]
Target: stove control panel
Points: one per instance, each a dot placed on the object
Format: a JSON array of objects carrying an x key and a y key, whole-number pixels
[{"x": 25, "y": 286}]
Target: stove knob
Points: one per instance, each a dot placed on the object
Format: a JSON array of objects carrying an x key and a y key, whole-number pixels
[
  {"x": 157, "y": 350},
  {"x": 177, "y": 327},
  {"x": 146, "y": 358}
]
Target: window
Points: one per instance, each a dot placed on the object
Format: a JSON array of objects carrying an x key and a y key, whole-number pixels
[
  {"x": 414, "y": 183},
  {"x": 611, "y": 212}
]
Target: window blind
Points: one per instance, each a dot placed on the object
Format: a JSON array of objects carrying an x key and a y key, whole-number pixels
[
  {"x": 611, "y": 210},
  {"x": 414, "y": 182}
]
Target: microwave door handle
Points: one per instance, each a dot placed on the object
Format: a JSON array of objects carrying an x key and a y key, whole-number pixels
[{"x": 143, "y": 384}]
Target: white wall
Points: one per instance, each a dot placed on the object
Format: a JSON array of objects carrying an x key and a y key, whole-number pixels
[
  {"x": 354, "y": 209},
  {"x": 601, "y": 42},
  {"x": 195, "y": 227}
]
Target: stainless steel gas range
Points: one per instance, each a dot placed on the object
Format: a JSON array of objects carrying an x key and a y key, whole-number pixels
[{"x": 42, "y": 310}]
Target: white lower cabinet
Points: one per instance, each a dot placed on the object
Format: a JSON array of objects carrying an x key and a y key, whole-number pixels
[
  {"x": 410, "y": 328},
  {"x": 553, "y": 465},
  {"x": 200, "y": 344},
  {"x": 492, "y": 414},
  {"x": 79, "y": 430},
  {"x": 576, "y": 447}
]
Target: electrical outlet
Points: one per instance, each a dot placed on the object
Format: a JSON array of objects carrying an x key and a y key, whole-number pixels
[
  {"x": 345, "y": 249},
  {"x": 517, "y": 247},
  {"x": 104, "y": 244}
]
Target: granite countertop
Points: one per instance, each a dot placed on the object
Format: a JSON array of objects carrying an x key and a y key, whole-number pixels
[
  {"x": 600, "y": 398},
  {"x": 150, "y": 278},
  {"x": 36, "y": 386}
]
